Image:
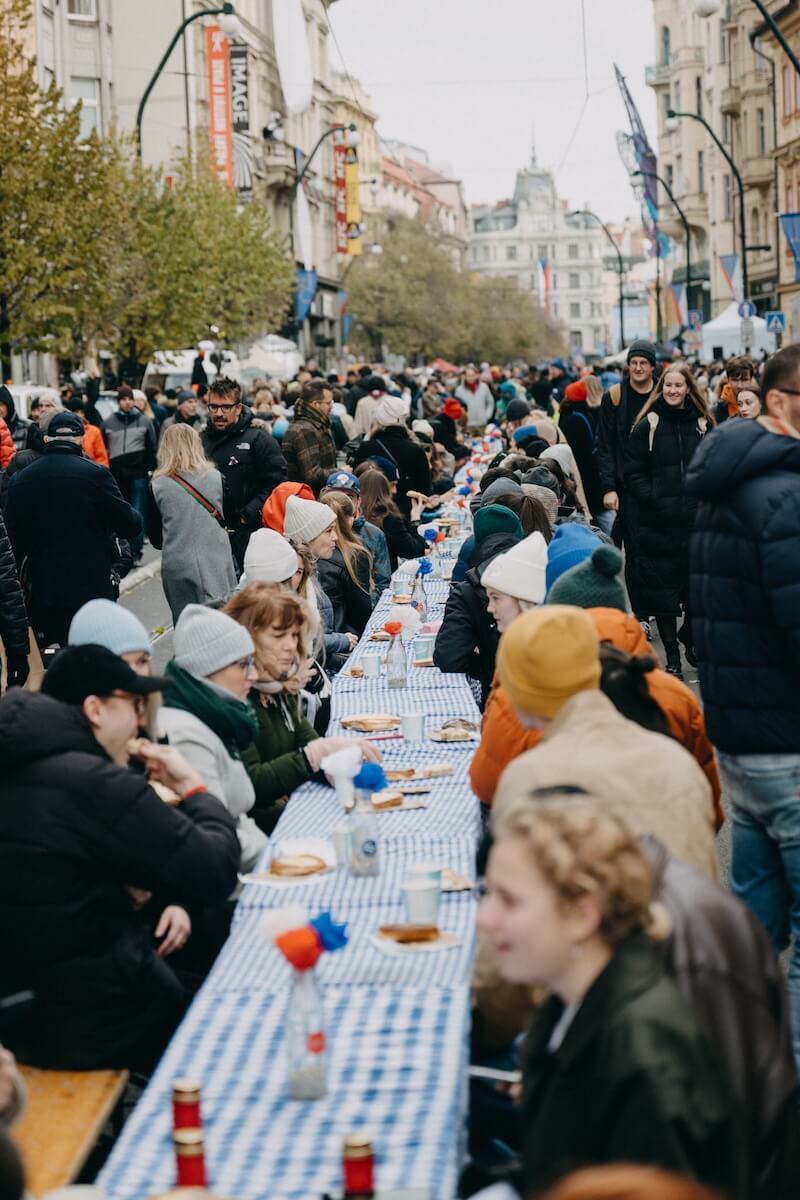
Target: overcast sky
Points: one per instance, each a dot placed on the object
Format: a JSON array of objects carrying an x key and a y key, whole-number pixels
[{"x": 473, "y": 81}]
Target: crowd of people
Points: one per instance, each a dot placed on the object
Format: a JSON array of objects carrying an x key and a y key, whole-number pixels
[{"x": 624, "y": 527}]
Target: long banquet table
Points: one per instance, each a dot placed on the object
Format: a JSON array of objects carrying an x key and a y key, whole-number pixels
[{"x": 397, "y": 1024}]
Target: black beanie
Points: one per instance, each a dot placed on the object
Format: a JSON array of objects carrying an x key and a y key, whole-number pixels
[
  {"x": 516, "y": 409},
  {"x": 641, "y": 348}
]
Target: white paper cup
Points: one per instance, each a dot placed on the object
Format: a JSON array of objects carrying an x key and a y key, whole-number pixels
[
  {"x": 413, "y": 726},
  {"x": 421, "y": 898},
  {"x": 423, "y": 646},
  {"x": 447, "y": 568},
  {"x": 372, "y": 665},
  {"x": 402, "y": 586},
  {"x": 426, "y": 871},
  {"x": 340, "y": 837}
]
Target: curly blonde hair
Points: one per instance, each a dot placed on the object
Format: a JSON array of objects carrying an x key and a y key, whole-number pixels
[{"x": 581, "y": 849}]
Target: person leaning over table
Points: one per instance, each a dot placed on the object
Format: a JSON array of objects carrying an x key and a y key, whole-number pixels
[
  {"x": 106, "y": 995},
  {"x": 287, "y": 750},
  {"x": 207, "y": 714},
  {"x": 615, "y": 1067}
]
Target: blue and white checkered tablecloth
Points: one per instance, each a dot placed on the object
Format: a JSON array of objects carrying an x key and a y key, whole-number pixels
[
  {"x": 340, "y": 891},
  {"x": 248, "y": 961},
  {"x": 397, "y": 1070},
  {"x": 451, "y": 810},
  {"x": 375, "y": 697}
]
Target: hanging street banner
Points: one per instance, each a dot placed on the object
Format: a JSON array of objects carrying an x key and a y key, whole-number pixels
[
  {"x": 220, "y": 124},
  {"x": 340, "y": 196},
  {"x": 790, "y": 223},
  {"x": 731, "y": 269},
  {"x": 306, "y": 284},
  {"x": 240, "y": 114},
  {"x": 353, "y": 201}
]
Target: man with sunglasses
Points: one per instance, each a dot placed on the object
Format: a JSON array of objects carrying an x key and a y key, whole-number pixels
[
  {"x": 745, "y": 605},
  {"x": 248, "y": 458},
  {"x": 80, "y": 836}
]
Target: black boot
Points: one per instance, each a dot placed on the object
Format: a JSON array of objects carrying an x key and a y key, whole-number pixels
[
  {"x": 685, "y": 636},
  {"x": 673, "y": 665}
]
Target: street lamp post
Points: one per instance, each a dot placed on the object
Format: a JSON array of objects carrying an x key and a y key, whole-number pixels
[
  {"x": 707, "y": 8},
  {"x": 585, "y": 212},
  {"x": 229, "y": 22},
  {"x": 684, "y": 222},
  {"x": 673, "y": 116}
]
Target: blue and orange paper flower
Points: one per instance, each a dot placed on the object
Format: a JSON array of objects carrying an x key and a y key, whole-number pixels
[
  {"x": 302, "y": 941},
  {"x": 425, "y": 566}
]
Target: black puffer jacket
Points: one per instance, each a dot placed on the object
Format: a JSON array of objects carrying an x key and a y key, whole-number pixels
[
  {"x": 745, "y": 587},
  {"x": 352, "y": 604},
  {"x": 578, "y": 422},
  {"x": 658, "y": 454},
  {"x": 467, "y": 639},
  {"x": 251, "y": 464},
  {"x": 75, "y": 829},
  {"x": 613, "y": 431},
  {"x": 13, "y": 617}
]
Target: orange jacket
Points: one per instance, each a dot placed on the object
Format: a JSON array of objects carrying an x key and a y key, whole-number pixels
[
  {"x": 273, "y": 514},
  {"x": 504, "y": 739},
  {"x": 7, "y": 447},
  {"x": 94, "y": 445}
]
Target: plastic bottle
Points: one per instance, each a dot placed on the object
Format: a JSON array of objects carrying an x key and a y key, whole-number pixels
[
  {"x": 364, "y": 858},
  {"x": 396, "y": 664},
  {"x": 306, "y": 1058}
]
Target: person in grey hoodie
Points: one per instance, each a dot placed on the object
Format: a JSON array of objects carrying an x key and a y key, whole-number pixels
[
  {"x": 131, "y": 440},
  {"x": 185, "y": 521}
]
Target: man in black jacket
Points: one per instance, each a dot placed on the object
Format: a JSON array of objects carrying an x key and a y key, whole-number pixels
[
  {"x": 13, "y": 617},
  {"x": 131, "y": 439},
  {"x": 745, "y": 604},
  {"x": 618, "y": 410},
  {"x": 248, "y": 458},
  {"x": 80, "y": 835},
  {"x": 61, "y": 515}
]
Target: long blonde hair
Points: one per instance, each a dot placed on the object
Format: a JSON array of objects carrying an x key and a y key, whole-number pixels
[
  {"x": 694, "y": 394},
  {"x": 180, "y": 452},
  {"x": 350, "y": 548}
]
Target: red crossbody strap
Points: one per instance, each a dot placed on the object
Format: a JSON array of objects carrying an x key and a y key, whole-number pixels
[{"x": 200, "y": 498}]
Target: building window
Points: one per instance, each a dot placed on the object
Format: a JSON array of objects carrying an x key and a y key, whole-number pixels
[
  {"x": 553, "y": 281},
  {"x": 554, "y": 309},
  {"x": 723, "y": 42},
  {"x": 666, "y": 105},
  {"x": 727, "y": 129},
  {"x": 486, "y": 253},
  {"x": 670, "y": 173},
  {"x": 701, "y": 172},
  {"x": 574, "y": 279},
  {"x": 88, "y": 92},
  {"x": 698, "y": 95},
  {"x": 572, "y": 250},
  {"x": 761, "y": 132},
  {"x": 679, "y": 174},
  {"x": 727, "y": 197},
  {"x": 665, "y": 45},
  {"x": 511, "y": 253},
  {"x": 575, "y": 310},
  {"x": 786, "y": 92},
  {"x": 541, "y": 250},
  {"x": 676, "y": 93},
  {"x": 576, "y": 340},
  {"x": 82, "y": 8}
]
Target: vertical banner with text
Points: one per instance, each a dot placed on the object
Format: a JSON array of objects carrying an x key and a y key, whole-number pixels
[
  {"x": 220, "y": 124},
  {"x": 240, "y": 113},
  {"x": 340, "y": 197},
  {"x": 353, "y": 201}
]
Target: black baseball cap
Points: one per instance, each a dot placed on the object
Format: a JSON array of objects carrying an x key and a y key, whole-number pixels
[
  {"x": 64, "y": 424},
  {"x": 81, "y": 671}
]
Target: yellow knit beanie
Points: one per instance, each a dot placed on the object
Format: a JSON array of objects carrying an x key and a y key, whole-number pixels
[{"x": 547, "y": 655}]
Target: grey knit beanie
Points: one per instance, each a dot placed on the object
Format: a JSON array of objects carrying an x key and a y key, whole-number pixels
[
  {"x": 306, "y": 519},
  {"x": 500, "y": 487},
  {"x": 546, "y": 497},
  {"x": 206, "y": 640}
]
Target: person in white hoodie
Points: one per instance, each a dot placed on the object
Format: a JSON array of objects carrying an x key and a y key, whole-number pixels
[
  {"x": 207, "y": 715},
  {"x": 516, "y": 580}
]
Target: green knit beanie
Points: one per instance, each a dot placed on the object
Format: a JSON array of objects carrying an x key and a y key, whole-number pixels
[
  {"x": 594, "y": 583},
  {"x": 496, "y": 518}
]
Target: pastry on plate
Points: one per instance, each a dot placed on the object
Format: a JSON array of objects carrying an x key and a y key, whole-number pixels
[
  {"x": 356, "y": 672},
  {"x": 387, "y": 799},
  {"x": 436, "y": 771},
  {"x": 379, "y": 723},
  {"x": 396, "y": 773},
  {"x": 297, "y": 865},
  {"x": 380, "y": 635},
  {"x": 405, "y": 934}
]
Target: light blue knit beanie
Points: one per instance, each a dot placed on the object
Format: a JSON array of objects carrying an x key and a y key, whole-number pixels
[{"x": 104, "y": 623}]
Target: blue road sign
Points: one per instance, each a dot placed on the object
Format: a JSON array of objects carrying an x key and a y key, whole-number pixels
[
  {"x": 776, "y": 321},
  {"x": 746, "y": 310}
]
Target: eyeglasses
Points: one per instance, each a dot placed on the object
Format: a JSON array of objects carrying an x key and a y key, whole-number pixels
[
  {"x": 222, "y": 407},
  {"x": 245, "y": 664},
  {"x": 139, "y": 702}
]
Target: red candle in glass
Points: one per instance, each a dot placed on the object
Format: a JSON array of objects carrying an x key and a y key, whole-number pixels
[
  {"x": 358, "y": 1161},
  {"x": 186, "y": 1104},
  {"x": 190, "y": 1157}
]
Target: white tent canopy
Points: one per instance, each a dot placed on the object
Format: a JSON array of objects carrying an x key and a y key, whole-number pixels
[{"x": 722, "y": 337}]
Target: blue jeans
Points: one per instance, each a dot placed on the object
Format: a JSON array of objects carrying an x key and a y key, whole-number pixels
[
  {"x": 135, "y": 492},
  {"x": 605, "y": 520},
  {"x": 764, "y": 795}
]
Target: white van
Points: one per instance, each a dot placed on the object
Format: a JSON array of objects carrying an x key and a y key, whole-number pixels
[{"x": 173, "y": 368}]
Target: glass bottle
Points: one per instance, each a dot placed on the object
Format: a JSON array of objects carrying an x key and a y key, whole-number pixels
[
  {"x": 306, "y": 1058},
  {"x": 396, "y": 664},
  {"x": 419, "y": 599},
  {"x": 363, "y": 842}
]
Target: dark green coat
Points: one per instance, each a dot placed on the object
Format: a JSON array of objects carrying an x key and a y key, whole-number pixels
[
  {"x": 275, "y": 761},
  {"x": 633, "y": 1081}
]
